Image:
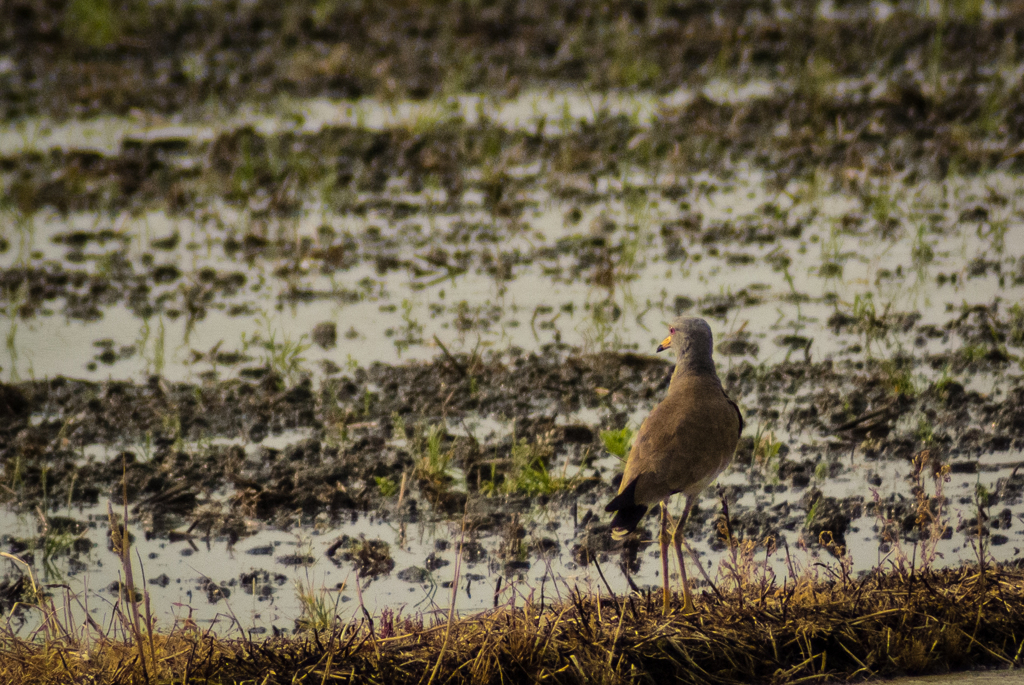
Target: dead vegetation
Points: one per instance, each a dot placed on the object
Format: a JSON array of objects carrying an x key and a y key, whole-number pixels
[{"x": 890, "y": 622}]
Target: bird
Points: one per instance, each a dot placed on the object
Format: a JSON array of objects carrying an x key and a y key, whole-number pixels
[{"x": 681, "y": 447}]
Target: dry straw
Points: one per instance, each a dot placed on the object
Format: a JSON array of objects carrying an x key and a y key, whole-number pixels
[{"x": 887, "y": 623}]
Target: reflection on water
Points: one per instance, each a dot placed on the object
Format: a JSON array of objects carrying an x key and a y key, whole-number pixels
[
  {"x": 545, "y": 112},
  {"x": 767, "y": 263}
]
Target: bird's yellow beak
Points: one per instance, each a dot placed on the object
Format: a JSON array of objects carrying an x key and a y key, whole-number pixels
[{"x": 665, "y": 344}]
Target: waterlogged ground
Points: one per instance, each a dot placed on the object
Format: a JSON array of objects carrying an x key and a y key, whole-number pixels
[{"x": 328, "y": 342}]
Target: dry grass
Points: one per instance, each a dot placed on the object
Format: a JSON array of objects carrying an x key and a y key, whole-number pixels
[{"x": 888, "y": 623}]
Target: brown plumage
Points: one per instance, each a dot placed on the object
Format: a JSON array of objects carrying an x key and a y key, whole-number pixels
[{"x": 682, "y": 446}]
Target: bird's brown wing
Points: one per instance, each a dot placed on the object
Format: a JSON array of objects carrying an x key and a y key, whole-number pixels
[
  {"x": 636, "y": 494},
  {"x": 739, "y": 414},
  {"x": 682, "y": 445},
  {"x": 685, "y": 441}
]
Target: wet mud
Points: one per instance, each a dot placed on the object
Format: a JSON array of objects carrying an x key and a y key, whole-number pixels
[{"x": 166, "y": 458}]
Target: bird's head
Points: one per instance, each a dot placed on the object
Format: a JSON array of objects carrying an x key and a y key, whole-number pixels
[{"x": 692, "y": 341}]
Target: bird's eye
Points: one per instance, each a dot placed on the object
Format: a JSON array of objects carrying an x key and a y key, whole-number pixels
[{"x": 671, "y": 331}]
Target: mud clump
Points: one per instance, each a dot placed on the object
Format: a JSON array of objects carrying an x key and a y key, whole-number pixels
[
  {"x": 829, "y": 516},
  {"x": 13, "y": 405},
  {"x": 261, "y": 583},
  {"x": 214, "y": 592},
  {"x": 369, "y": 558},
  {"x": 414, "y": 575}
]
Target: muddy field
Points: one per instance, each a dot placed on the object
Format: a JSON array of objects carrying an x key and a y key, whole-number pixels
[{"x": 316, "y": 293}]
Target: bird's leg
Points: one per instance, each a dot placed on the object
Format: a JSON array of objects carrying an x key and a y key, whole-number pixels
[
  {"x": 663, "y": 541},
  {"x": 677, "y": 541}
]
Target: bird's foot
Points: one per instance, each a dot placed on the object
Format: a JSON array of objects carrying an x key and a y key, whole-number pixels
[{"x": 688, "y": 607}]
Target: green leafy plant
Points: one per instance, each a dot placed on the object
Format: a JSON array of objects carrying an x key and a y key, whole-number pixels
[
  {"x": 821, "y": 471},
  {"x": 387, "y": 487},
  {"x": 433, "y": 463},
  {"x": 529, "y": 474},
  {"x": 282, "y": 354},
  {"x": 896, "y": 374},
  {"x": 319, "y": 613},
  {"x": 766, "y": 452},
  {"x": 811, "y": 513},
  {"x": 153, "y": 354},
  {"x": 491, "y": 486},
  {"x": 618, "y": 442}
]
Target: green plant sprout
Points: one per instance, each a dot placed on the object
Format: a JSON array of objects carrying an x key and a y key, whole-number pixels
[
  {"x": 618, "y": 442},
  {"x": 433, "y": 464},
  {"x": 284, "y": 357},
  {"x": 386, "y": 486},
  {"x": 319, "y": 613},
  {"x": 529, "y": 474},
  {"x": 766, "y": 452},
  {"x": 155, "y": 358}
]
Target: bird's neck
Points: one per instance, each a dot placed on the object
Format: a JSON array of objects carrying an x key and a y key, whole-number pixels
[{"x": 689, "y": 367}]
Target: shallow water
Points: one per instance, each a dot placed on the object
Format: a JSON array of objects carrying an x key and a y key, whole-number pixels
[{"x": 395, "y": 316}]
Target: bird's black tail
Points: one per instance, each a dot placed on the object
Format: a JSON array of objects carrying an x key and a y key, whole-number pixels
[{"x": 627, "y": 512}]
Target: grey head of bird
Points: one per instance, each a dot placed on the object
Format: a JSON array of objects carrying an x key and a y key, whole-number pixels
[{"x": 691, "y": 338}]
